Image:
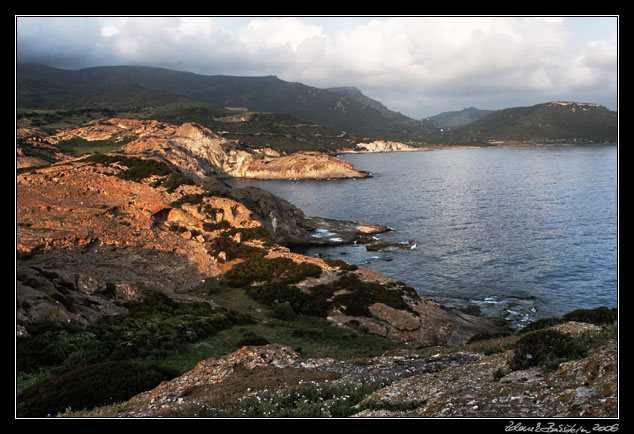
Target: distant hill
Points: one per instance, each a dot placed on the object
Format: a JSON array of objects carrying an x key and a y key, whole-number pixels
[
  {"x": 556, "y": 121},
  {"x": 459, "y": 118}
]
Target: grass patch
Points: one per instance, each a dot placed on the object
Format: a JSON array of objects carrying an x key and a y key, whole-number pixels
[
  {"x": 311, "y": 335},
  {"x": 79, "y": 146}
]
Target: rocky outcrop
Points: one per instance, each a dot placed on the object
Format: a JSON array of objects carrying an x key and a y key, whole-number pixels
[
  {"x": 302, "y": 165},
  {"x": 200, "y": 152},
  {"x": 289, "y": 225}
]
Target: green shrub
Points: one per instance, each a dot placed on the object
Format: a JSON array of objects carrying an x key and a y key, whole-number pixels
[
  {"x": 342, "y": 265},
  {"x": 360, "y": 295},
  {"x": 486, "y": 336},
  {"x": 249, "y": 234},
  {"x": 234, "y": 250},
  {"x": 222, "y": 224},
  {"x": 540, "y": 324},
  {"x": 272, "y": 293},
  {"x": 138, "y": 168},
  {"x": 159, "y": 323},
  {"x": 191, "y": 198},
  {"x": 56, "y": 344},
  {"x": 283, "y": 311},
  {"x": 151, "y": 328},
  {"x": 547, "y": 349},
  {"x": 597, "y": 316},
  {"x": 89, "y": 387},
  {"x": 175, "y": 180},
  {"x": 253, "y": 340},
  {"x": 261, "y": 269}
]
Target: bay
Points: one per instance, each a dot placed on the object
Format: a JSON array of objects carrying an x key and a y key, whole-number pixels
[{"x": 519, "y": 232}]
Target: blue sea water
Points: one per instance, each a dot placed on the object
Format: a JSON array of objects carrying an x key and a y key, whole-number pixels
[{"x": 521, "y": 232}]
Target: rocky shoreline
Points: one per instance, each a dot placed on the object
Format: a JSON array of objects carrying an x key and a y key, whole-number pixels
[{"x": 93, "y": 233}]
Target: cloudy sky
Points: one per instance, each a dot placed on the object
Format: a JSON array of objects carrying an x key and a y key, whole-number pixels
[{"x": 420, "y": 66}]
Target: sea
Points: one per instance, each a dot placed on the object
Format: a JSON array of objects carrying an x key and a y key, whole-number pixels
[{"x": 519, "y": 233}]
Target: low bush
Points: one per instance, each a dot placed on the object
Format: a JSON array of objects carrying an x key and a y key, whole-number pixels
[
  {"x": 546, "y": 348},
  {"x": 233, "y": 250},
  {"x": 57, "y": 344},
  {"x": 597, "y": 316},
  {"x": 159, "y": 323},
  {"x": 252, "y": 340},
  {"x": 222, "y": 224},
  {"x": 361, "y": 295},
  {"x": 249, "y": 234},
  {"x": 540, "y": 324},
  {"x": 150, "y": 328},
  {"x": 342, "y": 265},
  {"x": 89, "y": 387},
  {"x": 283, "y": 311},
  {"x": 192, "y": 199},
  {"x": 318, "y": 301},
  {"x": 175, "y": 180},
  {"x": 137, "y": 168}
]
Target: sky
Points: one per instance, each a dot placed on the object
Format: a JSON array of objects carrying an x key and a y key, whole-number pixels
[{"x": 417, "y": 65}]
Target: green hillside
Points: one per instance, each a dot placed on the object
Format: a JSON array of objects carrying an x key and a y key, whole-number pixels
[{"x": 549, "y": 122}]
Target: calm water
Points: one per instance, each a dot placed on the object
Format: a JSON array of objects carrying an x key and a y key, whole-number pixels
[{"x": 522, "y": 233}]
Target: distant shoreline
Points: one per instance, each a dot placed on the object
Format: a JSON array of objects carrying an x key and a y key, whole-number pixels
[{"x": 479, "y": 146}]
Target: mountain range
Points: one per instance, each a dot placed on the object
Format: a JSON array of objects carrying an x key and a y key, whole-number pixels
[{"x": 270, "y": 102}]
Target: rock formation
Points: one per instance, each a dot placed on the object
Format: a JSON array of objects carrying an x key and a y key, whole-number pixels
[{"x": 200, "y": 152}]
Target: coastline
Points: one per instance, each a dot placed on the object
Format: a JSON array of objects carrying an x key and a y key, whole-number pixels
[{"x": 440, "y": 147}]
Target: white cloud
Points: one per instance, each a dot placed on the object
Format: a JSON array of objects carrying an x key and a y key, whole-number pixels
[
  {"x": 398, "y": 58},
  {"x": 594, "y": 66}
]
